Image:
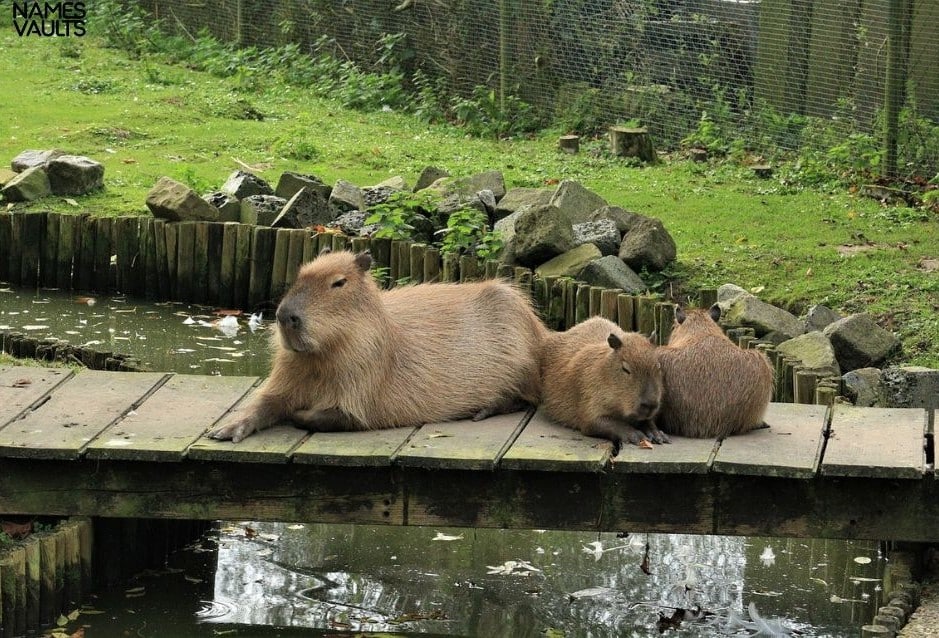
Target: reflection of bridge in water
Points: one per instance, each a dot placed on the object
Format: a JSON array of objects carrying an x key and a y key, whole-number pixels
[{"x": 131, "y": 445}]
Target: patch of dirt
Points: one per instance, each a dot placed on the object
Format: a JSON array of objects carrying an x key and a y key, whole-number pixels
[
  {"x": 928, "y": 265},
  {"x": 849, "y": 250}
]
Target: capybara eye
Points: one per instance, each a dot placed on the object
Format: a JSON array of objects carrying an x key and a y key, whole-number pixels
[{"x": 339, "y": 283}]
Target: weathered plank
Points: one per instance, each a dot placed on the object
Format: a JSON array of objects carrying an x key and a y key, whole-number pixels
[
  {"x": 200, "y": 263},
  {"x": 104, "y": 231},
  {"x": 791, "y": 446},
  {"x": 659, "y": 503},
  {"x": 65, "y": 252},
  {"x": 172, "y": 418},
  {"x": 22, "y": 386},
  {"x": 85, "y": 257},
  {"x": 682, "y": 456},
  {"x": 75, "y": 413},
  {"x": 262, "y": 264},
  {"x": 226, "y": 285},
  {"x": 242, "y": 273},
  {"x": 34, "y": 230},
  {"x": 463, "y": 445},
  {"x": 549, "y": 447},
  {"x": 875, "y": 442},
  {"x": 279, "y": 265},
  {"x": 6, "y": 242},
  {"x": 213, "y": 271},
  {"x": 171, "y": 236},
  {"x": 373, "y": 448},
  {"x": 50, "y": 247},
  {"x": 185, "y": 260}
]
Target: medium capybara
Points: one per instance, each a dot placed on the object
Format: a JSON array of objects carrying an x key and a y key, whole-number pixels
[
  {"x": 712, "y": 387},
  {"x": 602, "y": 381},
  {"x": 351, "y": 357}
]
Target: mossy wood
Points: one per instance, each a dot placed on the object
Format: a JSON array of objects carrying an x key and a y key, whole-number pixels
[
  {"x": 279, "y": 267},
  {"x": 200, "y": 264},
  {"x": 50, "y": 246},
  {"x": 31, "y": 236},
  {"x": 213, "y": 271},
  {"x": 632, "y": 142},
  {"x": 118, "y": 445},
  {"x": 294, "y": 255},
  {"x": 6, "y": 245},
  {"x": 68, "y": 232}
]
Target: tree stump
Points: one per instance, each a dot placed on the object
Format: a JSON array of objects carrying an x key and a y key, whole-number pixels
[
  {"x": 763, "y": 171},
  {"x": 632, "y": 142},
  {"x": 569, "y": 143}
]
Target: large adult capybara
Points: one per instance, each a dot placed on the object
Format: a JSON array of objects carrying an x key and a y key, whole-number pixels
[
  {"x": 351, "y": 357},
  {"x": 712, "y": 387},
  {"x": 602, "y": 381}
]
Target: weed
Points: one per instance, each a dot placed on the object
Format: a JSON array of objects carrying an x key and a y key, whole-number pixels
[
  {"x": 295, "y": 146},
  {"x": 485, "y": 115},
  {"x": 189, "y": 177},
  {"x": 93, "y": 86},
  {"x": 464, "y": 234}
]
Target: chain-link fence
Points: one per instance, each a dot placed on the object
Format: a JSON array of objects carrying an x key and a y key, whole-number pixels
[{"x": 757, "y": 66}]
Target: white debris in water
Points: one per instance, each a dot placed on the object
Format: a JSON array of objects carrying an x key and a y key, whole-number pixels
[
  {"x": 768, "y": 558},
  {"x": 447, "y": 537}
]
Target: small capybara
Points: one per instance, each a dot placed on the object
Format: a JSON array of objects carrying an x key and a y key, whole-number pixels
[
  {"x": 600, "y": 380},
  {"x": 712, "y": 387},
  {"x": 351, "y": 357}
]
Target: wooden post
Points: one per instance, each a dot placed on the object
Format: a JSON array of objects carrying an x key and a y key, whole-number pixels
[
  {"x": 340, "y": 242},
  {"x": 416, "y": 262},
  {"x": 33, "y": 582},
  {"x": 200, "y": 262},
  {"x": 804, "y": 387},
  {"x": 451, "y": 267},
  {"x": 491, "y": 269},
  {"x": 15, "y": 248},
  {"x": 404, "y": 261},
  {"x": 171, "y": 237},
  {"x": 505, "y": 271},
  {"x": 540, "y": 294},
  {"x": 894, "y": 80},
  {"x": 213, "y": 269},
  {"x": 149, "y": 238},
  {"x": 394, "y": 272},
  {"x": 581, "y": 304},
  {"x": 645, "y": 315},
  {"x": 664, "y": 321},
  {"x": 84, "y": 261},
  {"x": 625, "y": 312},
  {"x": 262, "y": 264},
  {"x": 523, "y": 278},
  {"x": 185, "y": 260},
  {"x": 159, "y": 257},
  {"x": 431, "y": 265},
  {"x": 243, "y": 237},
  {"x": 226, "y": 266},
  {"x": 569, "y": 306},
  {"x": 68, "y": 232},
  {"x": 707, "y": 297},
  {"x": 569, "y": 143},
  {"x": 876, "y": 631},
  {"x": 6, "y": 244},
  {"x": 632, "y": 142},
  {"x": 126, "y": 231},
  {"x": 381, "y": 252},
  {"x": 50, "y": 246},
  {"x": 295, "y": 254},
  {"x": 469, "y": 268},
  {"x": 310, "y": 245},
  {"x": 554, "y": 317},
  {"x": 49, "y": 603},
  {"x": 279, "y": 266},
  {"x": 608, "y": 303},
  {"x": 595, "y": 293},
  {"x": 34, "y": 228}
]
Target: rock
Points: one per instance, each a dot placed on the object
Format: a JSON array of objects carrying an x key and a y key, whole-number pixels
[
  {"x": 456, "y": 201},
  {"x": 488, "y": 198},
  {"x": 229, "y": 208},
  {"x": 647, "y": 245},
  {"x": 29, "y": 185},
  {"x": 911, "y": 387},
  {"x": 863, "y": 386},
  {"x": 575, "y": 202},
  {"x": 602, "y": 233},
  {"x": 569, "y": 264},
  {"x": 261, "y": 210},
  {"x": 74, "y": 175},
  {"x": 428, "y": 176},
  {"x": 518, "y": 198},
  {"x": 506, "y": 229},
  {"x": 541, "y": 233},
  {"x": 611, "y": 272},
  {"x": 488, "y": 181},
  {"x": 814, "y": 351},
  {"x": 353, "y": 224},
  {"x": 623, "y": 219},
  {"x": 747, "y": 310},
  {"x": 242, "y": 184},
  {"x": 306, "y": 208},
  {"x": 396, "y": 183},
  {"x": 6, "y": 175},
  {"x": 176, "y": 202},
  {"x": 859, "y": 342},
  {"x": 290, "y": 184},
  {"x": 31, "y": 158},
  {"x": 346, "y": 197},
  {"x": 773, "y": 337},
  {"x": 820, "y": 316},
  {"x": 728, "y": 293}
]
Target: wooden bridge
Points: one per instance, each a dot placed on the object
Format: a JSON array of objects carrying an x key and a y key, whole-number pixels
[{"x": 132, "y": 445}]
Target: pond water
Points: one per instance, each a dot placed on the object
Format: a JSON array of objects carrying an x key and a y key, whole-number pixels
[{"x": 284, "y": 579}]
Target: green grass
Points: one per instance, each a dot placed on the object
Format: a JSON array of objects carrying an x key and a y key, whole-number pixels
[{"x": 143, "y": 119}]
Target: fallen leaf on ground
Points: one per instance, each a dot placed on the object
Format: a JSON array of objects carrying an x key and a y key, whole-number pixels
[
  {"x": 22, "y": 383},
  {"x": 645, "y": 444}
]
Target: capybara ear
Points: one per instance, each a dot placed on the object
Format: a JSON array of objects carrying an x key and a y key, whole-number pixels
[
  {"x": 614, "y": 341},
  {"x": 364, "y": 261},
  {"x": 680, "y": 315},
  {"x": 326, "y": 251},
  {"x": 715, "y": 312}
]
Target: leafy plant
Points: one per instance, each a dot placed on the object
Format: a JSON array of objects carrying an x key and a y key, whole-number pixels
[
  {"x": 395, "y": 217},
  {"x": 467, "y": 232},
  {"x": 483, "y": 114}
]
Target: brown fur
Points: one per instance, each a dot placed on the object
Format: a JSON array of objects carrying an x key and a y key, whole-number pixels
[
  {"x": 712, "y": 387},
  {"x": 586, "y": 385},
  {"x": 351, "y": 357}
]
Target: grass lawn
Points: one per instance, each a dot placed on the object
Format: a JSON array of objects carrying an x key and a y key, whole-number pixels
[{"x": 143, "y": 119}]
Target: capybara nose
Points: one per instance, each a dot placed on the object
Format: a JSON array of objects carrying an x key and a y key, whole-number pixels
[
  {"x": 648, "y": 405},
  {"x": 287, "y": 318}
]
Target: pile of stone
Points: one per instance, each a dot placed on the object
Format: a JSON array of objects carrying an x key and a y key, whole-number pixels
[
  {"x": 827, "y": 344},
  {"x": 38, "y": 174}
]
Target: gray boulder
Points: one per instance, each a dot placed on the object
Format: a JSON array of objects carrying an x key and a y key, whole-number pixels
[
  {"x": 860, "y": 343},
  {"x": 261, "y": 210},
  {"x": 346, "y": 197},
  {"x": 611, "y": 272},
  {"x": 242, "y": 184},
  {"x": 518, "y": 198},
  {"x": 375, "y": 195},
  {"x": 647, "y": 245},
  {"x": 229, "y": 208},
  {"x": 456, "y": 201},
  {"x": 863, "y": 387},
  {"x": 74, "y": 175},
  {"x": 911, "y": 387},
  {"x": 31, "y": 158},
  {"x": 747, "y": 310},
  {"x": 174, "y": 201},
  {"x": 505, "y": 227},
  {"x": 727, "y": 293},
  {"x": 820, "y": 316},
  {"x": 569, "y": 264},
  {"x": 623, "y": 219},
  {"x": 396, "y": 183},
  {"x": 575, "y": 202},
  {"x": 814, "y": 351},
  {"x": 29, "y": 185},
  {"x": 290, "y": 184},
  {"x": 306, "y": 208},
  {"x": 602, "y": 233},
  {"x": 541, "y": 233},
  {"x": 353, "y": 224},
  {"x": 428, "y": 176}
]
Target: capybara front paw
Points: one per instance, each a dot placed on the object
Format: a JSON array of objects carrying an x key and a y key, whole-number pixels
[
  {"x": 657, "y": 436},
  {"x": 634, "y": 436},
  {"x": 236, "y": 431}
]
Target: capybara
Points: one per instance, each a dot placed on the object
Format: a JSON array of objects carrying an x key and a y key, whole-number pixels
[
  {"x": 602, "y": 381},
  {"x": 712, "y": 387},
  {"x": 351, "y": 357}
]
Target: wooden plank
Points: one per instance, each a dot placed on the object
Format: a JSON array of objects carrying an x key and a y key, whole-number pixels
[
  {"x": 171, "y": 236},
  {"x": 875, "y": 442},
  {"x": 262, "y": 265},
  {"x": 242, "y": 266},
  {"x": 462, "y": 445},
  {"x": 22, "y": 386},
  {"x": 15, "y": 254},
  {"x": 550, "y": 447},
  {"x": 295, "y": 254},
  {"x": 104, "y": 231},
  {"x": 127, "y": 243},
  {"x": 34, "y": 229},
  {"x": 661, "y": 503},
  {"x": 682, "y": 456},
  {"x": 171, "y": 419},
  {"x": 791, "y": 446},
  {"x": 374, "y": 448},
  {"x": 160, "y": 264},
  {"x": 310, "y": 246},
  {"x": 213, "y": 270},
  {"x": 226, "y": 273},
  {"x": 148, "y": 253},
  {"x": 62, "y": 426},
  {"x": 85, "y": 258},
  {"x": 6, "y": 243},
  {"x": 185, "y": 260},
  {"x": 50, "y": 247},
  {"x": 200, "y": 262},
  {"x": 279, "y": 266}
]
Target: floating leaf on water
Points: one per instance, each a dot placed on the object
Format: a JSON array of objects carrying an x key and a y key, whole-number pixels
[
  {"x": 70, "y": 201},
  {"x": 590, "y": 592},
  {"x": 819, "y": 581},
  {"x": 85, "y": 301},
  {"x": 37, "y": 326},
  {"x": 189, "y": 321},
  {"x": 768, "y": 558},
  {"x": 296, "y": 526},
  {"x": 225, "y": 312},
  {"x": 193, "y": 579},
  {"x": 862, "y": 560},
  {"x": 267, "y": 551},
  {"x": 87, "y": 611},
  {"x": 135, "y": 590},
  {"x": 861, "y": 579},
  {"x": 447, "y": 537}
]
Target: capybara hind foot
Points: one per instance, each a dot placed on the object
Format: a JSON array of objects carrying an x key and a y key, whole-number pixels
[
  {"x": 236, "y": 430},
  {"x": 502, "y": 406},
  {"x": 330, "y": 420}
]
